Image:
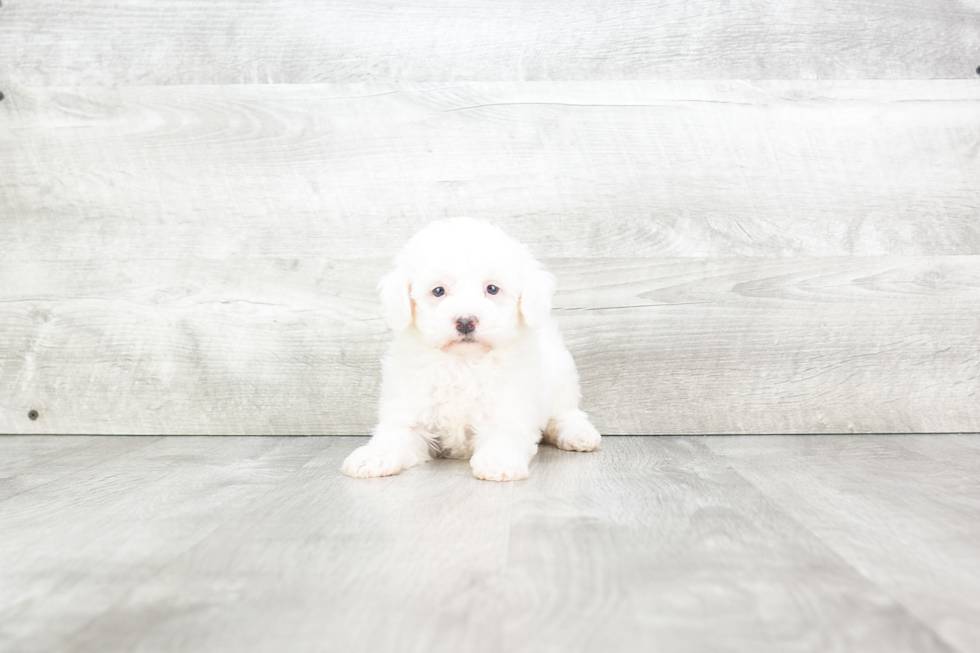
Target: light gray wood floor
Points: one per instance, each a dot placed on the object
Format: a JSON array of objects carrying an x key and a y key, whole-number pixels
[{"x": 746, "y": 543}]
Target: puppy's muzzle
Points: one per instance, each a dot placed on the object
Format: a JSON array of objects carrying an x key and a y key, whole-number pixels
[{"x": 466, "y": 324}]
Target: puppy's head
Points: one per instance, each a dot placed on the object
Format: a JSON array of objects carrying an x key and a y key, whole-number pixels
[{"x": 466, "y": 285}]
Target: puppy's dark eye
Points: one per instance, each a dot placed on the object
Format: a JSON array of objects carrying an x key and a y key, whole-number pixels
[
  {"x": 492, "y": 289},
  {"x": 439, "y": 291}
]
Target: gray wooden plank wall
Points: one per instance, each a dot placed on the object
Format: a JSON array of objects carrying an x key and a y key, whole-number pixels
[
  {"x": 109, "y": 42},
  {"x": 763, "y": 219}
]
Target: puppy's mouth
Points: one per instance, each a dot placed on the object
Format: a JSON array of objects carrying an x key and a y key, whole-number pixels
[{"x": 466, "y": 342}]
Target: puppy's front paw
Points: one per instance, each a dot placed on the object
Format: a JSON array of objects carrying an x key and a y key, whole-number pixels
[
  {"x": 578, "y": 435},
  {"x": 369, "y": 462},
  {"x": 498, "y": 466}
]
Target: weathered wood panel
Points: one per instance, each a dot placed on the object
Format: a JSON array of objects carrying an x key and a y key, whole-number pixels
[
  {"x": 894, "y": 507},
  {"x": 110, "y": 42},
  {"x": 577, "y": 169},
  {"x": 741, "y": 345},
  {"x": 782, "y": 545},
  {"x": 143, "y": 510},
  {"x": 29, "y": 462}
]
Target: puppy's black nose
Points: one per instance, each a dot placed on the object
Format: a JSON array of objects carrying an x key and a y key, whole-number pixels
[{"x": 466, "y": 324}]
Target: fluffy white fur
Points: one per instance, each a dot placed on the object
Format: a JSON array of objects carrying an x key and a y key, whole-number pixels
[{"x": 488, "y": 395}]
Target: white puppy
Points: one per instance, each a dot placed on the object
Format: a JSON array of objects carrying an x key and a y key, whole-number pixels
[{"x": 477, "y": 368}]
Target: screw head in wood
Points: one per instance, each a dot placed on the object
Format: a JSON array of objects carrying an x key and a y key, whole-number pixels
[
  {"x": 1, "y": 97},
  {"x": 978, "y": 70},
  {"x": 33, "y": 415}
]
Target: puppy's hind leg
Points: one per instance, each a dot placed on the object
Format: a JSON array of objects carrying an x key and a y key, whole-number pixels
[
  {"x": 572, "y": 431},
  {"x": 391, "y": 449},
  {"x": 568, "y": 427}
]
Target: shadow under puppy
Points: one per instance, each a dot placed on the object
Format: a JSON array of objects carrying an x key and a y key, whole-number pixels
[{"x": 477, "y": 368}]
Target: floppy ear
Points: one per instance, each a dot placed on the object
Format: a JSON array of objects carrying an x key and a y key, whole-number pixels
[
  {"x": 396, "y": 304},
  {"x": 535, "y": 303}
]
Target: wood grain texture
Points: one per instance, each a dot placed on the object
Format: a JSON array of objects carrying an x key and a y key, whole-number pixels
[
  {"x": 881, "y": 503},
  {"x": 600, "y": 169},
  {"x": 260, "y": 544},
  {"x": 32, "y": 461},
  {"x": 742, "y": 345},
  {"x": 111, "y": 42},
  {"x": 133, "y": 515},
  {"x": 956, "y": 449}
]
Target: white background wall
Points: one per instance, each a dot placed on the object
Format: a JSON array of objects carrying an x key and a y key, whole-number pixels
[{"x": 764, "y": 216}]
